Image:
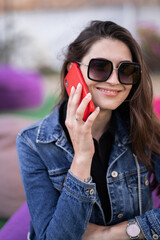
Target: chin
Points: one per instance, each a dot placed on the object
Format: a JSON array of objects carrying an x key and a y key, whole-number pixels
[
  {"x": 108, "y": 107},
  {"x": 110, "y": 104}
]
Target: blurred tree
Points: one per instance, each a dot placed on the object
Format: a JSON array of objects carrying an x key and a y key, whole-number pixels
[
  {"x": 10, "y": 40},
  {"x": 150, "y": 43}
]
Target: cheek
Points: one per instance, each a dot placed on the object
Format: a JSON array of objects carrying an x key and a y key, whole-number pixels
[
  {"x": 84, "y": 73},
  {"x": 90, "y": 84},
  {"x": 91, "y": 87},
  {"x": 128, "y": 90},
  {"x": 125, "y": 93}
]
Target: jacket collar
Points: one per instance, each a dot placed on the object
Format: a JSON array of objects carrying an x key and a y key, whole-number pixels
[{"x": 50, "y": 129}]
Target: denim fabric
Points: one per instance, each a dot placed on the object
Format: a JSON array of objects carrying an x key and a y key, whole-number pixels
[{"x": 61, "y": 205}]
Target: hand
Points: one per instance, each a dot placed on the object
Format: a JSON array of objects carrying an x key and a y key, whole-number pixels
[{"x": 80, "y": 132}]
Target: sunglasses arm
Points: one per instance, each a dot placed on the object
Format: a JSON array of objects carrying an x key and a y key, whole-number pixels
[{"x": 80, "y": 63}]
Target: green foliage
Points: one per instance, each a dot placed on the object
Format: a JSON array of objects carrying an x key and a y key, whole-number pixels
[
  {"x": 39, "y": 112},
  {"x": 2, "y": 222}
]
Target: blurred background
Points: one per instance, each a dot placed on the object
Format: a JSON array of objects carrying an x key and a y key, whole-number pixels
[{"x": 34, "y": 35}]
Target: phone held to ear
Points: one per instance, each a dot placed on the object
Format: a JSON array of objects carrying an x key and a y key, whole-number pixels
[{"x": 73, "y": 77}]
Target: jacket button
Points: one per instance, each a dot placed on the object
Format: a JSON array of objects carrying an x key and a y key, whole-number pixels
[
  {"x": 120, "y": 215},
  {"x": 91, "y": 191},
  {"x": 146, "y": 182},
  {"x": 114, "y": 174},
  {"x": 155, "y": 236}
]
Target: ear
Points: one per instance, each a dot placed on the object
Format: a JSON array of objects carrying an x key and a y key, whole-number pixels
[{"x": 69, "y": 66}]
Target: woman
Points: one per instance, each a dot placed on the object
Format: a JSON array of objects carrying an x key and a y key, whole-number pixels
[{"x": 90, "y": 179}]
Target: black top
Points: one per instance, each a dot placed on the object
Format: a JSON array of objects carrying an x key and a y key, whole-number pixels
[{"x": 100, "y": 165}]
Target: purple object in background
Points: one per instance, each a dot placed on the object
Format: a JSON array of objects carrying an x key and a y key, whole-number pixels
[
  {"x": 19, "y": 89},
  {"x": 156, "y": 199},
  {"x": 17, "y": 226},
  {"x": 156, "y": 104}
]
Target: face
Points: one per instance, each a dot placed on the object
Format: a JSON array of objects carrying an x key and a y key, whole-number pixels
[{"x": 110, "y": 94}]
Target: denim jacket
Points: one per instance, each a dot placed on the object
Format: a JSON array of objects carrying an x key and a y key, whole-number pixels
[{"x": 60, "y": 204}]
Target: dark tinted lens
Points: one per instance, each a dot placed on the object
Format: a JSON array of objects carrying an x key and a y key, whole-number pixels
[
  {"x": 99, "y": 69},
  {"x": 129, "y": 73}
]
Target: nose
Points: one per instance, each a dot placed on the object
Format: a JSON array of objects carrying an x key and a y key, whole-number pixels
[{"x": 113, "y": 79}]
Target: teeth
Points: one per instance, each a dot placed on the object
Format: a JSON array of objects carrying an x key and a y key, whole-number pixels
[{"x": 109, "y": 91}]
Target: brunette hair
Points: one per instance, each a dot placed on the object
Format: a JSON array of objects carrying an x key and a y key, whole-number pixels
[{"x": 144, "y": 125}]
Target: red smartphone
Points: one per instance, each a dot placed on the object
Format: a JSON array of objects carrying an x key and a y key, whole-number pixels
[{"x": 73, "y": 77}]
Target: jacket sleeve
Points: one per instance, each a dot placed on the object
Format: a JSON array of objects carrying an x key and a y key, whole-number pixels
[
  {"x": 54, "y": 215},
  {"x": 150, "y": 224},
  {"x": 150, "y": 221}
]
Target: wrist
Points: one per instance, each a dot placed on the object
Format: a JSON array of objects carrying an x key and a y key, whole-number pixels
[
  {"x": 133, "y": 230},
  {"x": 81, "y": 175},
  {"x": 81, "y": 169},
  {"x": 117, "y": 231},
  {"x": 83, "y": 158}
]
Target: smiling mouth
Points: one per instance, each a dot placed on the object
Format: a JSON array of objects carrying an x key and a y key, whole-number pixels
[{"x": 112, "y": 91}]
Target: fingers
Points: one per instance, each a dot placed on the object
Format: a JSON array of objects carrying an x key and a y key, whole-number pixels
[
  {"x": 91, "y": 118},
  {"x": 83, "y": 105},
  {"x": 81, "y": 109},
  {"x": 75, "y": 111},
  {"x": 80, "y": 131},
  {"x": 74, "y": 100}
]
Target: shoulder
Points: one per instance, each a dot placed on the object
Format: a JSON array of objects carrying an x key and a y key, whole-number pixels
[
  {"x": 30, "y": 128},
  {"x": 43, "y": 130}
]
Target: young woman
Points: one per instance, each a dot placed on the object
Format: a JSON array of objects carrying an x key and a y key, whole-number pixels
[{"x": 91, "y": 179}]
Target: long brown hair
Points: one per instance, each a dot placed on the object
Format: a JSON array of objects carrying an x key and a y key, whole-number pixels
[{"x": 144, "y": 125}]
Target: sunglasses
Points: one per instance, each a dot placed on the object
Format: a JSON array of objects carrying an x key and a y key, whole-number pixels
[{"x": 100, "y": 69}]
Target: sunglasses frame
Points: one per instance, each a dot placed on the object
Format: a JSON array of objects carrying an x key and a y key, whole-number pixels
[{"x": 112, "y": 68}]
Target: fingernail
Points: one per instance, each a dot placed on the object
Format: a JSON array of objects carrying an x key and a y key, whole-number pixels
[
  {"x": 88, "y": 95},
  {"x": 72, "y": 89},
  {"x": 78, "y": 86}
]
